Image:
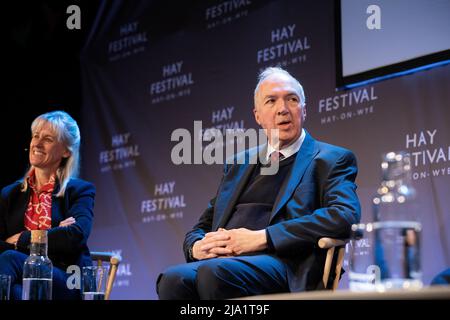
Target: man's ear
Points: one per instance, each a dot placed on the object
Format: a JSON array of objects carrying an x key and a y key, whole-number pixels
[
  {"x": 303, "y": 113},
  {"x": 256, "y": 114}
]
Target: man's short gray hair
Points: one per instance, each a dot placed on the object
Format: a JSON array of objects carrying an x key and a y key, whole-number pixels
[{"x": 270, "y": 71}]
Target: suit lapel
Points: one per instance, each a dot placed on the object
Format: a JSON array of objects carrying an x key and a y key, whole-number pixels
[
  {"x": 56, "y": 210},
  {"x": 304, "y": 157},
  {"x": 20, "y": 207}
]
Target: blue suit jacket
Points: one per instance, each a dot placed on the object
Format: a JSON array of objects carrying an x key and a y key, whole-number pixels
[
  {"x": 66, "y": 245},
  {"x": 317, "y": 199}
]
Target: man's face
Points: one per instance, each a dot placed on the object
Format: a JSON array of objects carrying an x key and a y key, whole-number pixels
[{"x": 277, "y": 106}]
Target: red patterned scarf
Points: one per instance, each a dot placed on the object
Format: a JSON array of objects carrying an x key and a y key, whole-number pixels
[{"x": 39, "y": 211}]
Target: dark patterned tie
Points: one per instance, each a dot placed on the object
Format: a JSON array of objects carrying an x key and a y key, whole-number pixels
[{"x": 276, "y": 156}]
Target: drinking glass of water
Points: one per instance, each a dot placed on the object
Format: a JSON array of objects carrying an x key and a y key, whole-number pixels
[
  {"x": 364, "y": 274},
  {"x": 94, "y": 282}
]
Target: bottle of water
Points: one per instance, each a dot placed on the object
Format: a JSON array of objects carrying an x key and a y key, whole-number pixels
[
  {"x": 38, "y": 269},
  {"x": 396, "y": 226}
]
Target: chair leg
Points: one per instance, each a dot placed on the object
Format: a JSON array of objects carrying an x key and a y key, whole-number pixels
[
  {"x": 327, "y": 268},
  {"x": 339, "y": 262},
  {"x": 110, "y": 283}
]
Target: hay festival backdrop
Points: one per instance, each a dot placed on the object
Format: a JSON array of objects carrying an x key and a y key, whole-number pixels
[{"x": 150, "y": 69}]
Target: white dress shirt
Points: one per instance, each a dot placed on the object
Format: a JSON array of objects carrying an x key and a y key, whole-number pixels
[{"x": 290, "y": 149}]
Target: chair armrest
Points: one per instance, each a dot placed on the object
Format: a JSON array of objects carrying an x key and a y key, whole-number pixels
[
  {"x": 331, "y": 244},
  {"x": 326, "y": 243},
  {"x": 114, "y": 261},
  {"x": 106, "y": 256}
]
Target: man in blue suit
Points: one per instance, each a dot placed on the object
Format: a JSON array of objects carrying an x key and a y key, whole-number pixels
[{"x": 259, "y": 234}]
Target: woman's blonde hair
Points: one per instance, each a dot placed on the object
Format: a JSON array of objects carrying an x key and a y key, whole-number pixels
[{"x": 67, "y": 131}]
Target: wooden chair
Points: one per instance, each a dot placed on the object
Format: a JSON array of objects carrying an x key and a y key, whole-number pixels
[
  {"x": 332, "y": 244},
  {"x": 101, "y": 258}
]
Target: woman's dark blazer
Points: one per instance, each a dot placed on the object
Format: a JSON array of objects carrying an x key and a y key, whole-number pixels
[{"x": 66, "y": 245}]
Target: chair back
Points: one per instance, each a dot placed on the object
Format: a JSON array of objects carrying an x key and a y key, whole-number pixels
[{"x": 104, "y": 258}]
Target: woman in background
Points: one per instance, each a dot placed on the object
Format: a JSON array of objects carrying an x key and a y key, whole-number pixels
[{"x": 49, "y": 197}]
